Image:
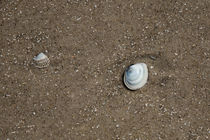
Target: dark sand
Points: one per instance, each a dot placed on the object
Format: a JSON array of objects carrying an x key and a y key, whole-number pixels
[{"x": 80, "y": 96}]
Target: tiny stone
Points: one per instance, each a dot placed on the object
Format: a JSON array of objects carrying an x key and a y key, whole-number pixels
[{"x": 152, "y": 57}]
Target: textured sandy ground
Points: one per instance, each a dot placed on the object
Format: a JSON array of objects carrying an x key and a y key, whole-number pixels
[{"x": 80, "y": 96}]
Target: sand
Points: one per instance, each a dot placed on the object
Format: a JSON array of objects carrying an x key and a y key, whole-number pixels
[{"x": 80, "y": 95}]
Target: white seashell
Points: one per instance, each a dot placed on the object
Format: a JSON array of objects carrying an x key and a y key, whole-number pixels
[
  {"x": 41, "y": 61},
  {"x": 136, "y": 76}
]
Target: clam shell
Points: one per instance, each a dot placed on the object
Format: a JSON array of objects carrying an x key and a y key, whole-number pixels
[
  {"x": 136, "y": 76},
  {"x": 41, "y": 61}
]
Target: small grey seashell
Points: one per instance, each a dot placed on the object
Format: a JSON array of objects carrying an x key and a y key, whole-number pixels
[
  {"x": 136, "y": 76},
  {"x": 41, "y": 61}
]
